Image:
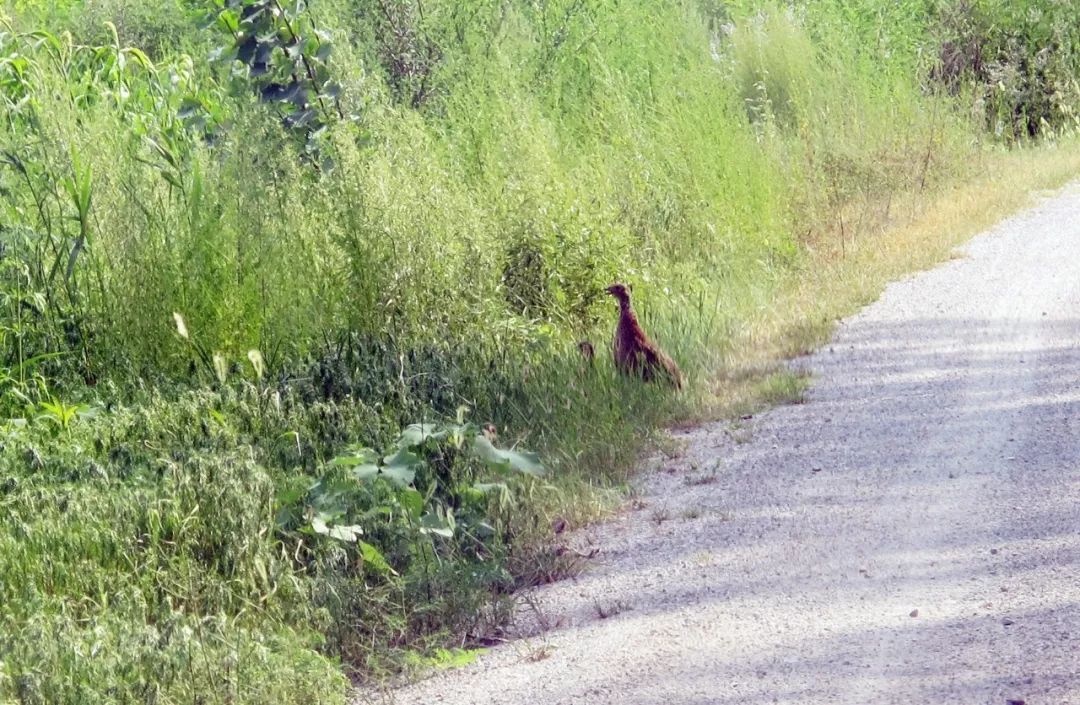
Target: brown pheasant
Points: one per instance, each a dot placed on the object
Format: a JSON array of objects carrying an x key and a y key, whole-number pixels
[{"x": 635, "y": 354}]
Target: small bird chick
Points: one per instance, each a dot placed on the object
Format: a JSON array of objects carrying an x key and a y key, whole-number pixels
[
  {"x": 635, "y": 353},
  {"x": 587, "y": 351}
]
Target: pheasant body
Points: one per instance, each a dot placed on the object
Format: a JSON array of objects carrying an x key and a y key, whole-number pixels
[{"x": 634, "y": 353}]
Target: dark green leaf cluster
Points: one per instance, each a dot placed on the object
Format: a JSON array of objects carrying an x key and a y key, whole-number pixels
[
  {"x": 276, "y": 47},
  {"x": 1021, "y": 57},
  {"x": 427, "y": 489}
]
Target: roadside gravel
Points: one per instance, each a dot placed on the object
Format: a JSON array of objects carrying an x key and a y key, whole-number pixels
[{"x": 910, "y": 534}]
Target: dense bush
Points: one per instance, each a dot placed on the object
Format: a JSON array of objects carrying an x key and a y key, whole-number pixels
[{"x": 1020, "y": 58}]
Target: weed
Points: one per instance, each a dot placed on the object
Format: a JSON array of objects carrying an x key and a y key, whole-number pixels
[
  {"x": 543, "y": 622},
  {"x": 705, "y": 478},
  {"x": 605, "y": 611},
  {"x": 703, "y": 558},
  {"x": 538, "y": 652},
  {"x": 440, "y": 660}
]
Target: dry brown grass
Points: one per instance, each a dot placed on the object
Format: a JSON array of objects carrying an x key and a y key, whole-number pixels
[{"x": 848, "y": 267}]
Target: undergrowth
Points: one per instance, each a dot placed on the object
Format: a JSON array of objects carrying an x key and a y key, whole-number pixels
[{"x": 287, "y": 289}]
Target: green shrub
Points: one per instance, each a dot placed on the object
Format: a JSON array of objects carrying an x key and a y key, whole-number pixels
[{"x": 1021, "y": 59}]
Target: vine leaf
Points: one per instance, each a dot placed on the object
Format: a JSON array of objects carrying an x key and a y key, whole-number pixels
[{"x": 521, "y": 461}]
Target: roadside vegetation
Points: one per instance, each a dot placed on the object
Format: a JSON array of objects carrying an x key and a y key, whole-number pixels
[{"x": 290, "y": 293}]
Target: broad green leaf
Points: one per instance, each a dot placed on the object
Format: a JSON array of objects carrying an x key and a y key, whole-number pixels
[
  {"x": 332, "y": 89},
  {"x": 362, "y": 461},
  {"x": 294, "y": 92},
  {"x": 285, "y": 517},
  {"x": 435, "y": 524},
  {"x": 340, "y": 532},
  {"x": 400, "y": 468},
  {"x": 374, "y": 558},
  {"x": 403, "y": 458},
  {"x": 346, "y": 533},
  {"x": 521, "y": 461},
  {"x": 412, "y": 502},
  {"x": 365, "y": 472},
  {"x": 460, "y": 432},
  {"x": 86, "y": 411},
  {"x": 290, "y": 496},
  {"x": 230, "y": 20},
  {"x": 417, "y": 433},
  {"x": 356, "y": 456},
  {"x": 300, "y": 118}
]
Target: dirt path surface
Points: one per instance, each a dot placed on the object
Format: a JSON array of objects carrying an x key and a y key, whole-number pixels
[{"x": 911, "y": 534}]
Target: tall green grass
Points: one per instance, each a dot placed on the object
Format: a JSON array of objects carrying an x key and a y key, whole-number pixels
[{"x": 498, "y": 165}]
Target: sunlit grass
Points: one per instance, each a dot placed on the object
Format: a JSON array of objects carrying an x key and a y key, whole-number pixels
[{"x": 838, "y": 278}]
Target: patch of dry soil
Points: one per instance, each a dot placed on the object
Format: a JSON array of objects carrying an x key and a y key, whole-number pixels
[{"x": 911, "y": 534}]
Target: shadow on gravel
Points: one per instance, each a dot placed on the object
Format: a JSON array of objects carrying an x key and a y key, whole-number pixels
[
  {"x": 950, "y": 461},
  {"x": 845, "y": 669},
  {"x": 977, "y": 426}
]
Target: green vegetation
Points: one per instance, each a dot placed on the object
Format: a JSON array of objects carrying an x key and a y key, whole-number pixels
[{"x": 243, "y": 243}]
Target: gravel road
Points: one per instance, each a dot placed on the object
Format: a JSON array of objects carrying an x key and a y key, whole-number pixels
[{"x": 910, "y": 534}]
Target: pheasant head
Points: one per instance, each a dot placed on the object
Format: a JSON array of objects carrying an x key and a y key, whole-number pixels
[{"x": 621, "y": 293}]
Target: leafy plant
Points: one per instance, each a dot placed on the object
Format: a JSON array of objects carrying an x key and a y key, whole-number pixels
[
  {"x": 285, "y": 58},
  {"x": 408, "y": 51},
  {"x": 429, "y": 490},
  {"x": 58, "y": 412},
  {"x": 1022, "y": 58}
]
